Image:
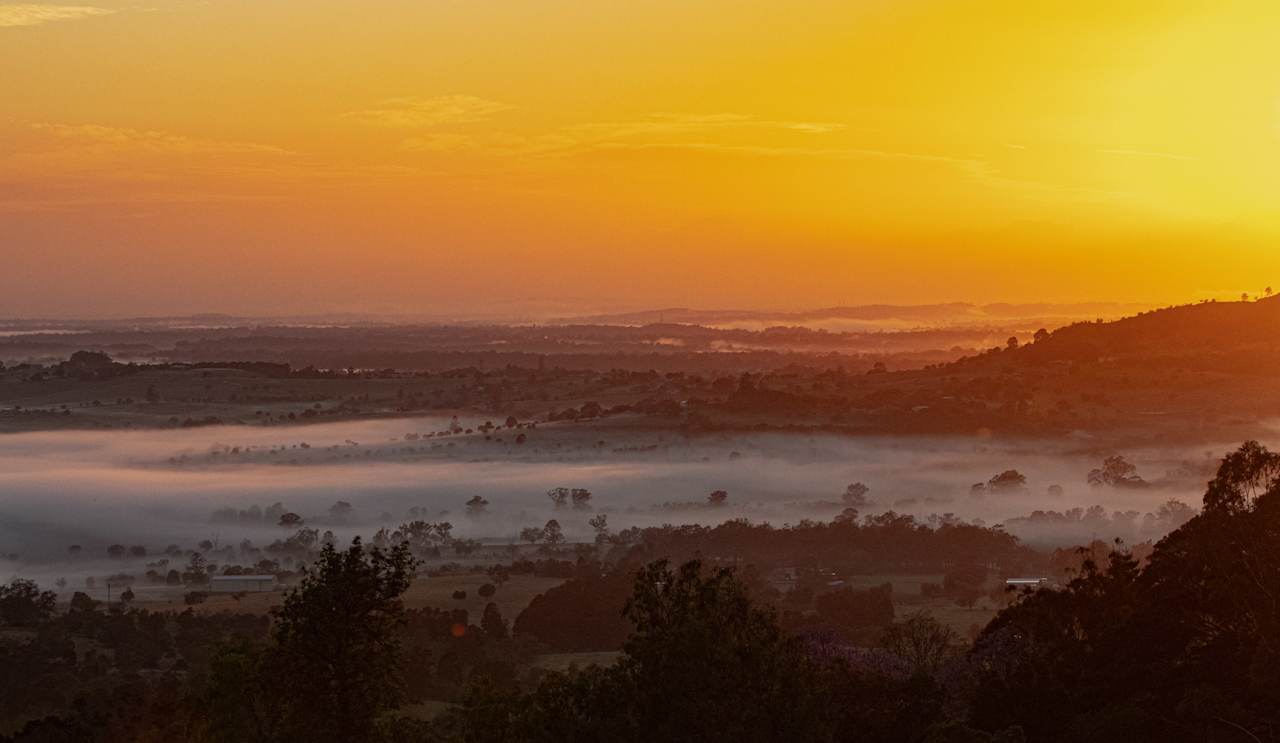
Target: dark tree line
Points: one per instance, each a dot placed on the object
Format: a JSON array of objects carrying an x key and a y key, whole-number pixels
[{"x": 882, "y": 543}]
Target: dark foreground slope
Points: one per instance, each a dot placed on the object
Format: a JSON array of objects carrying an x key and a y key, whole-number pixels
[{"x": 1181, "y": 649}]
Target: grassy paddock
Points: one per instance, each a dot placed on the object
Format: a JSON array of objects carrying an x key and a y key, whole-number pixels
[{"x": 512, "y": 597}]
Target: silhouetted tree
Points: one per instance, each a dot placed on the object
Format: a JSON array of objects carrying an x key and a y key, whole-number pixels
[
  {"x": 476, "y": 506},
  {"x": 1119, "y": 652},
  {"x": 196, "y": 572},
  {"x": 341, "y": 511},
  {"x": 1007, "y": 481},
  {"x": 552, "y": 535},
  {"x": 704, "y": 664},
  {"x": 921, "y": 641},
  {"x": 23, "y": 604},
  {"x": 494, "y": 626},
  {"x": 855, "y": 495},
  {"x": 1244, "y": 476},
  {"x": 559, "y": 497},
  {"x": 80, "y": 602},
  {"x": 1116, "y": 472},
  {"x": 336, "y": 663}
]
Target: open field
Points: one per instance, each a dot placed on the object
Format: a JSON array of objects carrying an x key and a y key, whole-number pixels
[
  {"x": 435, "y": 592},
  {"x": 907, "y": 599}
]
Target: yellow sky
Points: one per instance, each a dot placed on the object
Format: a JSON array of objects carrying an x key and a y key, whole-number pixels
[{"x": 503, "y": 156}]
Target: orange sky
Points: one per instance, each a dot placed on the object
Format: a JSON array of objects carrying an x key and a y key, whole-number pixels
[{"x": 519, "y": 157}]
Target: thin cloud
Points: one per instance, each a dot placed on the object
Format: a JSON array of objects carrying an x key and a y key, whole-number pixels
[
  {"x": 674, "y": 131},
  {"x": 443, "y": 142},
  {"x": 67, "y": 167},
  {"x": 414, "y": 113},
  {"x": 491, "y": 144},
  {"x": 812, "y": 127},
  {"x": 846, "y": 153},
  {"x": 1144, "y": 153},
  {"x": 107, "y": 138},
  {"x": 657, "y": 130},
  {"x": 26, "y": 14},
  {"x": 117, "y": 198},
  {"x": 672, "y": 124},
  {"x": 975, "y": 169}
]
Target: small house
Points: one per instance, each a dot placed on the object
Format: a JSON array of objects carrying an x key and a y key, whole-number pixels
[{"x": 242, "y": 583}]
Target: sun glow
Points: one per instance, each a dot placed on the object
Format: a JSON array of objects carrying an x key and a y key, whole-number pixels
[{"x": 506, "y": 156}]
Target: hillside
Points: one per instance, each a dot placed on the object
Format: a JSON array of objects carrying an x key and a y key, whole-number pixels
[
  {"x": 884, "y": 316},
  {"x": 1194, "y": 373},
  {"x": 1209, "y": 328}
]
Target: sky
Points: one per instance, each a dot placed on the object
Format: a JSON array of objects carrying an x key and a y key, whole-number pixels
[{"x": 511, "y": 158}]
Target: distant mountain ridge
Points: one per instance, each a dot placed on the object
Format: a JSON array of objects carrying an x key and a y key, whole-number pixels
[{"x": 942, "y": 314}]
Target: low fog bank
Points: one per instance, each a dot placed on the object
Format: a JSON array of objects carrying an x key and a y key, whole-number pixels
[{"x": 180, "y": 487}]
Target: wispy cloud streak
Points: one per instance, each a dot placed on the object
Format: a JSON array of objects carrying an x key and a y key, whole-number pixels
[
  {"x": 412, "y": 113},
  {"x": 1144, "y": 153},
  {"x": 13, "y": 15}
]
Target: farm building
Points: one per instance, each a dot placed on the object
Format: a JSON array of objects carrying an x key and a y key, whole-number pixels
[
  {"x": 242, "y": 583},
  {"x": 1028, "y": 582}
]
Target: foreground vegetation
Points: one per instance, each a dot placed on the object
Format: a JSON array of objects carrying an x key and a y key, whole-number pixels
[{"x": 1182, "y": 647}]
